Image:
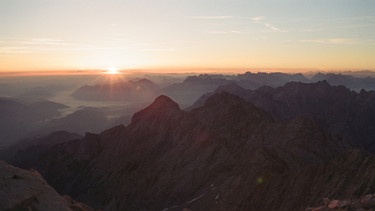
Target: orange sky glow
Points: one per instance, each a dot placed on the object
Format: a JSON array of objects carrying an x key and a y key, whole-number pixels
[{"x": 38, "y": 37}]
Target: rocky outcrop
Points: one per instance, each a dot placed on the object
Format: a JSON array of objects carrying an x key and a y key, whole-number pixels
[
  {"x": 27, "y": 190},
  {"x": 364, "y": 203}
]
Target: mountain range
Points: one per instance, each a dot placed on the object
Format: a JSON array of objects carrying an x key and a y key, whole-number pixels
[
  {"x": 225, "y": 154},
  {"x": 345, "y": 113},
  {"x": 190, "y": 89},
  {"x": 130, "y": 90}
]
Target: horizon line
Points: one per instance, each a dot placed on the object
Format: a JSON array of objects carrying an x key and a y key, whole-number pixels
[{"x": 172, "y": 70}]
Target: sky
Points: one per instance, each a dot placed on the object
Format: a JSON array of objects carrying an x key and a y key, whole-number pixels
[{"x": 130, "y": 34}]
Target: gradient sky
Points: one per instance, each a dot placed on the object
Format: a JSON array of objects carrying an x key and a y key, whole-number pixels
[{"x": 91, "y": 34}]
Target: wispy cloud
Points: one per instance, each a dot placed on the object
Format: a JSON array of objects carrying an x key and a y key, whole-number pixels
[
  {"x": 47, "y": 45},
  {"x": 274, "y": 28},
  {"x": 224, "y": 32},
  {"x": 257, "y": 18},
  {"x": 330, "y": 41},
  {"x": 370, "y": 41},
  {"x": 43, "y": 45},
  {"x": 14, "y": 50},
  {"x": 44, "y": 41},
  {"x": 261, "y": 20},
  {"x": 210, "y": 17},
  {"x": 157, "y": 49}
]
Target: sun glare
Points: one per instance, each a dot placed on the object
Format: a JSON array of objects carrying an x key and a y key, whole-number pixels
[{"x": 112, "y": 71}]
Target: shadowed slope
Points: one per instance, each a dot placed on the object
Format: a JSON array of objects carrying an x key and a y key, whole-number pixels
[{"x": 227, "y": 154}]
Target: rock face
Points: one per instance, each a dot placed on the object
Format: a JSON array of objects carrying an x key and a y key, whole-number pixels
[
  {"x": 225, "y": 155},
  {"x": 27, "y": 190}
]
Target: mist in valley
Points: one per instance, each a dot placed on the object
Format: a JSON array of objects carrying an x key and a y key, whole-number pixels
[{"x": 33, "y": 106}]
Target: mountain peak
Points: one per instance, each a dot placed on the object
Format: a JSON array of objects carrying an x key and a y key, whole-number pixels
[
  {"x": 164, "y": 102},
  {"x": 160, "y": 108}
]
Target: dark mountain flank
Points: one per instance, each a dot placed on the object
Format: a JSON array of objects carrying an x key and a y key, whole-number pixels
[{"x": 227, "y": 154}]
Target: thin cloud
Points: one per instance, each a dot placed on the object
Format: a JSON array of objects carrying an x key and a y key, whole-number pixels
[
  {"x": 44, "y": 41},
  {"x": 224, "y": 32},
  {"x": 331, "y": 41},
  {"x": 260, "y": 20},
  {"x": 370, "y": 41},
  {"x": 84, "y": 48},
  {"x": 312, "y": 30},
  {"x": 210, "y": 17},
  {"x": 157, "y": 50},
  {"x": 55, "y": 48},
  {"x": 14, "y": 50},
  {"x": 273, "y": 28}
]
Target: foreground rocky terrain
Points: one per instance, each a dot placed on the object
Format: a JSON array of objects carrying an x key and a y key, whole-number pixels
[
  {"x": 27, "y": 190},
  {"x": 224, "y": 155},
  {"x": 366, "y": 202}
]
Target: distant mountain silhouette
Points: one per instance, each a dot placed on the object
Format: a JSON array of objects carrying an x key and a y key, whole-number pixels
[
  {"x": 225, "y": 155},
  {"x": 133, "y": 90},
  {"x": 194, "y": 86},
  {"x": 188, "y": 91},
  {"x": 349, "y": 81},
  {"x": 19, "y": 119},
  {"x": 276, "y": 79},
  {"x": 343, "y": 112}
]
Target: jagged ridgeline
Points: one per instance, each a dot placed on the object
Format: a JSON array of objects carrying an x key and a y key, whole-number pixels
[{"x": 227, "y": 153}]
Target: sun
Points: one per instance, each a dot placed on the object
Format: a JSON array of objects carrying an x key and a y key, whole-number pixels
[{"x": 112, "y": 71}]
